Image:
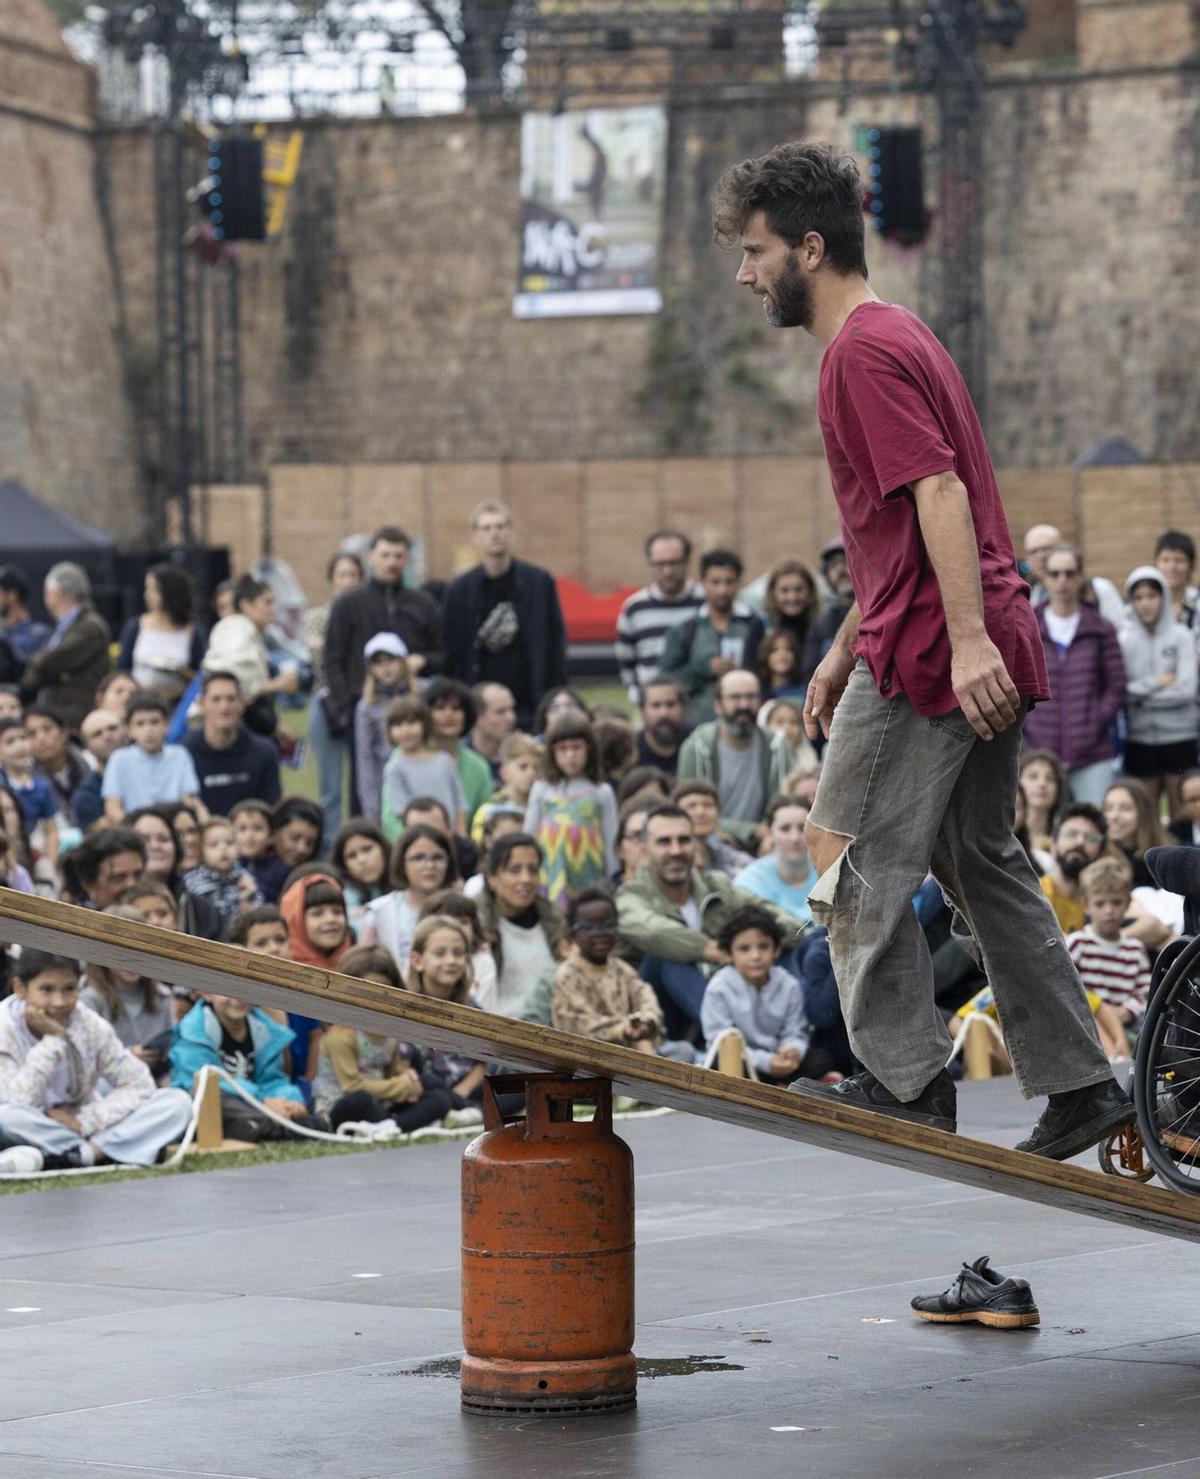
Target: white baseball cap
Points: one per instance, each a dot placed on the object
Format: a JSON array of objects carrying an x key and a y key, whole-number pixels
[{"x": 385, "y": 642}]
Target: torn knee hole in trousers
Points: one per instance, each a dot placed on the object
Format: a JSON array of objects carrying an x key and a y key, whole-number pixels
[{"x": 824, "y": 891}]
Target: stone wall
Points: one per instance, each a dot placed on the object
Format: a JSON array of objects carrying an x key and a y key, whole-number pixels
[{"x": 66, "y": 426}]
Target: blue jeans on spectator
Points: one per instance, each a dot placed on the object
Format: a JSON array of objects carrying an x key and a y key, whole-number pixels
[{"x": 331, "y": 752}]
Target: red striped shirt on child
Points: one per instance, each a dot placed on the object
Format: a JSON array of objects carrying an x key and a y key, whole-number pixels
[{"x": 1118, "y": 971}]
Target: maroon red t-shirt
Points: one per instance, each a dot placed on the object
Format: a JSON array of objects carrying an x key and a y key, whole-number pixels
[{"x": 894, "y": 409}]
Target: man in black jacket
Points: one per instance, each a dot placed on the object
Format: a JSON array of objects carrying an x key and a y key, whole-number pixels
[
  {"x": 503, "y": 623},
  {"x": 381, "y": 604}
]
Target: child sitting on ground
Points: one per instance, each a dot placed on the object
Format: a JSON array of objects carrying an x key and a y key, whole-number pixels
[
  {"x": 71, "y": 1094},
  {"x": 520, "y": 763},
  {"x": 596, "y": 994},
  {"x": 457, "y": 906},
  {"x": 34, "y": 793},
  {"x": 386, "y": 679},
  {"x": 224, "y": 1032},
  {"x": 439, "y": 965},
  {"x": 365, "y": 1076},
  {"x": 252, "y": 824},
  {"x": 415, "y": 768},
  {"x": 1114, "y": 968},
  {"x": 263, "y": 929},
  {"x": 148, "y": 771},
  {"x": 503, "y": 818},
  {"x": 138, "y": 1009},
  {"x": 297, "y": 831},
  {"x": 758, "y": 998},
  {"x": 313, "y": 907},
  {"x": 220, "y": 877}
]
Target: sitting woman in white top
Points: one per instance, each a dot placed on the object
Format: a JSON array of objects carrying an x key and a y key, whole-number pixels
[
  {"x": 422, "y": 864},
  {"x": 528, "y": 933},
  {"x": 785, "y": 876},
  {"x": 71, "y": 1093},
  {"x": 756, "y": 997}
]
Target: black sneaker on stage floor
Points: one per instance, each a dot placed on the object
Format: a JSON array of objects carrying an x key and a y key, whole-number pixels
[
  {"x": 982, "y": 1295},
  {"x": 1079, "y": 1118},
  {"x": 935, "y": 1106}
]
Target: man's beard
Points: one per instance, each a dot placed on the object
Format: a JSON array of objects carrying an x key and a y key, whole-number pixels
[
  {"x": 740, "y": 726},
  {"x": 789, "y": 303},
  {"x": 1072, "y": 864},
  {"x": 666, "y": 734}
]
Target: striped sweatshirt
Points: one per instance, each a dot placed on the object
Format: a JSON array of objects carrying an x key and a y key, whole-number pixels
[
  {"x": 642, "y": 626},
  {"x": 1117, "y": 971}
]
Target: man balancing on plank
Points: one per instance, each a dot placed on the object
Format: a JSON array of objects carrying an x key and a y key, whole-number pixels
[{"x": 923, "y": 693}]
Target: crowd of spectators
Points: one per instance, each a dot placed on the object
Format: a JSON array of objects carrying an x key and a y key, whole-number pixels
[{"x": 484, "y": 834}]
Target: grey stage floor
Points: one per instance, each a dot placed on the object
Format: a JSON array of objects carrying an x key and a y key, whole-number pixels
[{"x": 267, "y": 1322}]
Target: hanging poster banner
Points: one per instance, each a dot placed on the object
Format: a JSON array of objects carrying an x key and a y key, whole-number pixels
[{"x": 592, "y": 185}]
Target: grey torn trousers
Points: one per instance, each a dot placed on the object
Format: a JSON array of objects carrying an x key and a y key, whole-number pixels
[{"x": 914, "y": 795}]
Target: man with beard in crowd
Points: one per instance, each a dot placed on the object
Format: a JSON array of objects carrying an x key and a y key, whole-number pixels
[
  {"x": 1078, "y": 841},
  {"x": 745, "y": 763},
  {"x": 663, "y": 730}
]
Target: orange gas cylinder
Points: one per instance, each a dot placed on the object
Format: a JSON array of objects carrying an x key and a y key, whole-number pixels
[{"x": 547, "y": 1258}]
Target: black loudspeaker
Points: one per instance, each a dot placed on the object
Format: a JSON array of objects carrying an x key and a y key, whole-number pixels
[
  {"x": 234, "y": 202},
  {"x": 896, "y": 199}
]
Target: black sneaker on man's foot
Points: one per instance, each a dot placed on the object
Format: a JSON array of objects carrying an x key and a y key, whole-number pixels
[
  {"x": 982, "y": 1295},
  {"x": 1079, "y": 1118},
  {"x": 935, "y": 1105}
]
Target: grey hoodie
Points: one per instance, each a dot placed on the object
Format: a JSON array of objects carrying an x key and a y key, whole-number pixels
[{"x": 1166, "y": 714}]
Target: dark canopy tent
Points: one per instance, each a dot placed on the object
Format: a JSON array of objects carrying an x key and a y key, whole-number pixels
[{"x": 34, "y": 536}]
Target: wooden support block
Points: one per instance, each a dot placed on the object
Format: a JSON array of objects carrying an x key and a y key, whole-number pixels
[
  {"x": 731, "y": 1055},
  {"x": 208, "y": 1116},
  {"x": 977, "y": 1049}
]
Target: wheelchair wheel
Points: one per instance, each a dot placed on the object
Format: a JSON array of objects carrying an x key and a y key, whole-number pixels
[{"x": 1166, "y": 1081}]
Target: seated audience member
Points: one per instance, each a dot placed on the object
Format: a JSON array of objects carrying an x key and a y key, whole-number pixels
[
  {"x": 801, "y": 782},
  {"x": 1078, "y": 840},
  {"x": 746, "y": 765},
  {"x": 755, "y": 996},
  {"x": 197, "y": 915},
  {"x": 16, "y": 861},
  {"x": 364, "y": 1076},
  {"x": 23, "y": 633},
  {"x": 558, "y": 701},
  {"x": 55, "y": 755},
  {"x": 779, "y": 666},
  {"x": 103, "y": 866},
  {"x": 185, "y": 817},
  {"x": 360, "y": 855},
  {"x": 148, "y": 771},
  {"x": 34, "y": 793},
  {"x": 700, "y": 651},
  {"x": 428, "y": 811},
  {"x": 439, "y": 966},
  {"x": 253, "y": 823},
  {"x": 631, "y": 839},
  {"x": 415, "y": 768},
  {"x": 520, "y": 765},
  {"x": 453, "y": 905},
  {"x": 297, "y": 829},
  {"x": 644, "y": 783},
  {"x": 672, "y": 913},
  {"x": 10, "y": 702},
  {"x": 386, "y": 680},
  {"x": 713, "y": 850},
  {"x": 154, "y": 903},
  {"x": 71, "y": 1094},
  {"x": 615, "y": 747},
  {"x": 528, "y": 932},
  {"x": 102, "y": 733},
  {"x": 596, "y": 994},
  {"x": 115, "y": 691},
  {"x": 220, "y": 878},
  {"x": 782, "y": 716},
  {"x": 1131, "y": 818},
  {"x": 1043, "y": 787},
  {"x": 138, "y": 1009},
  {"x": 495, "y": 720},
  {"x": 1108, "y": 1027},
  {"x": 313, "y": 907},
  {"x": 572, "y": 812},
  {"x": 224, "y": 1032},
  {"x": 1186, "y": 827},
  {"x": 1115, "y": 969},
  {"x": 663, "y": 729},
  {"x": 232, "y": 764},
  {"x": 502, "y": 820},
  {"x": 422, "y": 864},
  {"x": 1159, "y": 653},
  {"x": 785, "y": 876},
  {"x": 452, "y": 706},
  {"x": 263, "y": 929}
]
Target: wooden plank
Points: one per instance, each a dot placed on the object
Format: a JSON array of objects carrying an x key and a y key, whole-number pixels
[{"x": 203, "y": 965}]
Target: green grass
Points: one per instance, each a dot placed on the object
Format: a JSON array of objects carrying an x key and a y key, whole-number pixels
[{"x": 303, "y": 782}]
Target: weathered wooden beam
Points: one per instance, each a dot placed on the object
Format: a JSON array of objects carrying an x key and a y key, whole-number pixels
[{"x": 202, "y": 965}]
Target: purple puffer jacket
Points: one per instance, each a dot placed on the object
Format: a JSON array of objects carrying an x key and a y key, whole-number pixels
[{"x": 1088, "y": 686}]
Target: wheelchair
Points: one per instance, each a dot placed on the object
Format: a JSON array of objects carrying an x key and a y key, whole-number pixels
[{"x": 1166, "y": 1063}]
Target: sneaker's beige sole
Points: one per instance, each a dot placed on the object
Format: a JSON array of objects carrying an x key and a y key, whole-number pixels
[{"x": 993, "y": 1318}]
